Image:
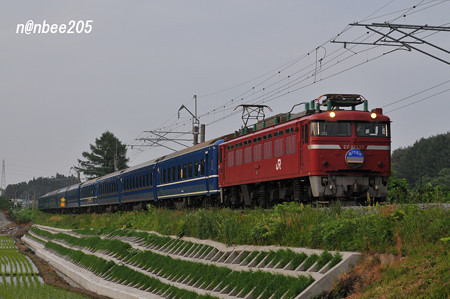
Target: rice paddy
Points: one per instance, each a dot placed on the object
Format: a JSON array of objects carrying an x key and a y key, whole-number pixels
[{"x": 20, "y": 277}]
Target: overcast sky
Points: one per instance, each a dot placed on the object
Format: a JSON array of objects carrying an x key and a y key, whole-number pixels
[{"x": 143, "y": 59}]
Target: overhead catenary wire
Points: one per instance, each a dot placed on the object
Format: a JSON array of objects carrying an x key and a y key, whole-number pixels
[
  {"x": 403, "y": 12},
  {"x": 417, "y": 93},
  {"x": 272, "y": 85},
  {"x": 420, "y": 100},
  {"x": 285, "y": 85}
]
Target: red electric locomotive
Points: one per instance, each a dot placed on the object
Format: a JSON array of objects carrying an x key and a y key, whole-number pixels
[{"x": 316, "y": 155}]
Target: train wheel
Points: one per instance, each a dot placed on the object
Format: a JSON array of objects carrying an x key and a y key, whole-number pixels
[{"x": 262, "y": 197}]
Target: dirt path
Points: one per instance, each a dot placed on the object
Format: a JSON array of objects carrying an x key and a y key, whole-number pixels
[
  {"x": 16, "y": 231},
  {"x": 3, "y": 221}
]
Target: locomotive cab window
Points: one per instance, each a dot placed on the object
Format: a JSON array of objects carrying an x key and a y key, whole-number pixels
[
  {"x": 366, "y": 129},
  {"x": 335, "y": 129}
]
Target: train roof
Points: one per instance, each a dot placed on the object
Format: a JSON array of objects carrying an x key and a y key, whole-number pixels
[
  {"x": 110, "y": 175},
  {"x": 139, "y": 166},
  {"x": 333, "y": 102},
  {"x": 194, "y": 148},
  {"x": 73, "y": 187},
  {"x": 90, "y": 182},
  {"x": 50, "y": 193}
]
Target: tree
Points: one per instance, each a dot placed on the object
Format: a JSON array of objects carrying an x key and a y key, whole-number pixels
[
  {"x": 423, "y": 161},
  {"x": 107, "y": 151},
  {"x": 38, "y": 186}
]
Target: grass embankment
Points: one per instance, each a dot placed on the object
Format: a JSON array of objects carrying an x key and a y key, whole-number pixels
[
  {"x": 211, "y": 277},
  {"x": 402, "y": 230},
  {"x": 274, "y": 258},
  {"x": 382, "y": 229}
]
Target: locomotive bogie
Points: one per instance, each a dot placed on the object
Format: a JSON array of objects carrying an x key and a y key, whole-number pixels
[{"x": 338, "y": 186}]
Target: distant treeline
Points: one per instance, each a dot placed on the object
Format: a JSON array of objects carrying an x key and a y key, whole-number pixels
[
  {"x": 38, "y": 186},
  {"x": 426, "y": 161}
]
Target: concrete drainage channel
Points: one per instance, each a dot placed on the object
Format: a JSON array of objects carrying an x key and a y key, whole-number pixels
[{"x": 316, "y": 269}]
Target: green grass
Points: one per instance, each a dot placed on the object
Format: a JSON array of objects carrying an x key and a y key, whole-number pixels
[
  {"x": 310, "y": 261},
  {"x": 425, "y": 273},
  {"x": 323, "y": 259},
  {"x": 119, "y": 273},
  {"x": 14, "y": 264},
  {"x": 22, "y": 291},
  {"x": 391, "y": 229},
  {"x": 337, "y": 257},
  {"x": 24, "y": 282},
  {"x": 372, "y": 229}
]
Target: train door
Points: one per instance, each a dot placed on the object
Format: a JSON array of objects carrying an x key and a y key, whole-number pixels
[
  {"x": 304, "y": 132},
  {"x": 204, "y": 168},
  {"x": 220, "y": 165},
  {"x": 299, "y": 146}
]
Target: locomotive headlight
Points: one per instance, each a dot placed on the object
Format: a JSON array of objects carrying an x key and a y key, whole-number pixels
[
  {"x": 373, "y": 115},
  {"x": 332, "y": 114}
]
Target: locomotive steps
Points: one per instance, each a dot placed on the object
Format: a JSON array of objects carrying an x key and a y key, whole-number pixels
[{"x": 216, "y": 262}]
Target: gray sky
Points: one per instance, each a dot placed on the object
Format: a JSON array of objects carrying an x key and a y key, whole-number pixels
[{"x": 144, "y": 59}]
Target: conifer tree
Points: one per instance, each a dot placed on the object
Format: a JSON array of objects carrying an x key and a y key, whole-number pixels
[{"x": 101, "y": 160}]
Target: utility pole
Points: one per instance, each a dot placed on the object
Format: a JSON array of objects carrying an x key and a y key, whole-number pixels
[
  {"x": 159, "y": 137},
  {"x": 195, "y": 120},
  {"x": 115, "y": 156},
  {"x": 78, "y": 173}
]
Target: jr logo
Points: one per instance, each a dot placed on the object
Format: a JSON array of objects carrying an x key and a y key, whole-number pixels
[{"x": 278, "y": 165}]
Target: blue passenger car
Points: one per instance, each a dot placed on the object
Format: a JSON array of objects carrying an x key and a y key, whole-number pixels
[
  {"x": 48, "y": 201},
  {"x": 72, "y": 196},
  {"x": 67, "y": 197},
  {"x": 184, "y": 178},
  {"x": 108, "y": 189},
  {"x": 138, "y": 183},
  {"x": 88, "y": 193},
  {"x": 189, "y": 173}
]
